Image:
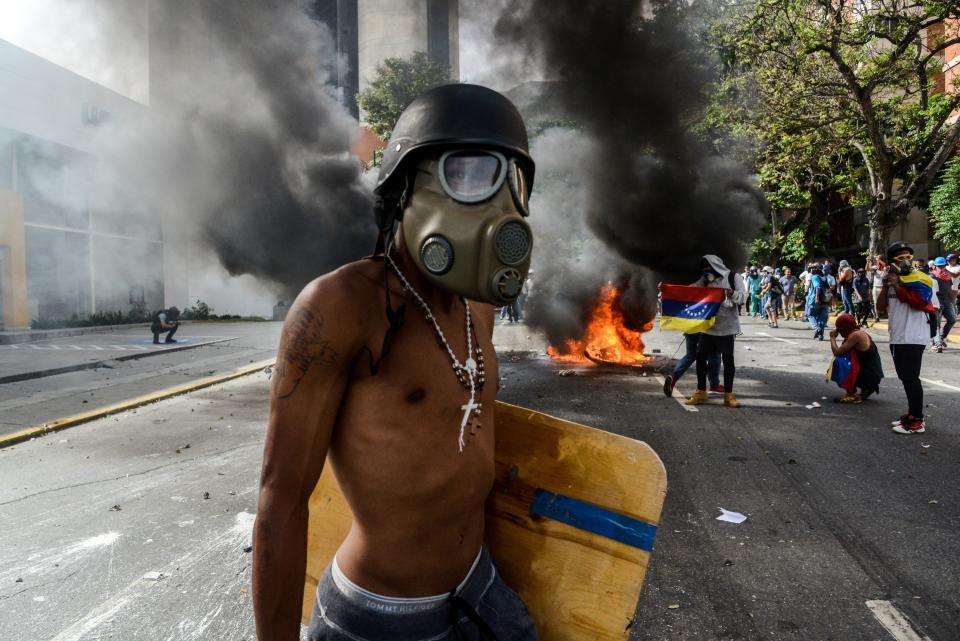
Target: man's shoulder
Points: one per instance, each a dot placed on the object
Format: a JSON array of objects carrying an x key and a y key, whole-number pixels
[{"x": 348, "y": 292}]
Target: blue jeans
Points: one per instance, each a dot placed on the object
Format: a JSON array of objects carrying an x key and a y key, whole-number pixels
[
  {"x": 347, "y": 616},
  {"x": 818, "y": 315},
  {"x": 847, "y": 302},
  {"x": 713, "y": 361},
  {"x": 949, "y": 314}
]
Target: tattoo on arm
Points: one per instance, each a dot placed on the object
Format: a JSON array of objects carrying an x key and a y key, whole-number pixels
[{"x": 303, "y": 348}]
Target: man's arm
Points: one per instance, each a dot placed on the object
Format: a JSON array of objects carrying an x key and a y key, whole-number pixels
[{"x": 308, "y": 383}]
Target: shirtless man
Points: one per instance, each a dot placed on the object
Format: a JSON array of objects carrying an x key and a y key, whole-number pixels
[{"x": 390, "y": 384}]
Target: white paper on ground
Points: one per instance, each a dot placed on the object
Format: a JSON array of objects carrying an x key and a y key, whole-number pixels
[{"x": 731, "y": 517}]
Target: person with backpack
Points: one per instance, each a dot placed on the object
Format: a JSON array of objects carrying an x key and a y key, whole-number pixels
[
  {"x": 166, "y": 320},
  {"x": 845, "y": 279},
  {"x": 773, "y": 293},
  {"x": 819, "y": 301}
]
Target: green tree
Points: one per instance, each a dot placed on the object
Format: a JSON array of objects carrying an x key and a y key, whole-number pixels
[
  {"x": 398, "y": 82},
  {"x": 846, "y": 100},
  {"x": 945, "y": 205}
]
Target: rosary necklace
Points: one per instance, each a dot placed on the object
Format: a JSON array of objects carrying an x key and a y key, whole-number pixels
[{"x": 470, "y": 373}]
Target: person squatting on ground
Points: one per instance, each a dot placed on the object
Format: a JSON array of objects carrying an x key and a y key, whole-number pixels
[
  {"x": 908, "y": 309},
  {"x": 868, "y": 356},
  {"x": 720, "y": 337},
  {"x": 407, "y": 422},
  {"x": 819, "y": 300},
  {"x": 943, "y": 281},
  {"x": 167, "y": 320}
]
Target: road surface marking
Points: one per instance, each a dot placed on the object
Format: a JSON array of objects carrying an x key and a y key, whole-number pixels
[
  {"x": 894, "y": 622},
  {"x": 777, "y": 338},
  {"x": 678, "y": 396},
  {"x": 70, "y": 421},
  {"x": 941, "y": 384}
]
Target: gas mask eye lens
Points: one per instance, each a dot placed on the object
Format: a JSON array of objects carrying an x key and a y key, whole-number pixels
[
  {"x": 518, "y": 184},
  {"x": 437, "y": 255},
  {"x": 472, "y": 176}
]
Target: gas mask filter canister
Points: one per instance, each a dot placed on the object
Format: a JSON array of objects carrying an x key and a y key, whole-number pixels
[{"x": 464, "y": 224}]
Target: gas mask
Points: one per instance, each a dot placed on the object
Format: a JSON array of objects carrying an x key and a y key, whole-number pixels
[
  {"x": 901, "y": 265},
  {"x": 463, "y": 224}
]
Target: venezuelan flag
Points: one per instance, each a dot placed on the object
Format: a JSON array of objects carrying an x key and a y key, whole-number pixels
[
  {"x": 844, "y": 371},
  {"x": 689, "y": 309},
  {"x": 917, "y": 290}
]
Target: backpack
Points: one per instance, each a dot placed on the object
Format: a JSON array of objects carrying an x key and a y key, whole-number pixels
[{"x": 824, "y": 295}]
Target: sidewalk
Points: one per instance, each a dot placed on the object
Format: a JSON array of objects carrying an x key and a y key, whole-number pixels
[{"x": 50, "y": 356}]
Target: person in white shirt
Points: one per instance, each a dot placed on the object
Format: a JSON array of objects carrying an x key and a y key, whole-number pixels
[{"x": 908, "y": 312}]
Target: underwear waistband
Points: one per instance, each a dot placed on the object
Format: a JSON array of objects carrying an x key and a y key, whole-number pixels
[{"x": 393, "y": 605}]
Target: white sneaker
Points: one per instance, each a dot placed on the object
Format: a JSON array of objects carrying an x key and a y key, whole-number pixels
[{"x": 916, "y": 427}]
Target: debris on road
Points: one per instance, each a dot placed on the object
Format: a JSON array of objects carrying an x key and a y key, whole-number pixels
[
  {"x": 206, "y": 495},
  {"x": 731, "y": 517},
  {"x": 153, "y": 576},
  {"x": 116, "y": 508},
  {"x": 567, "y": 372},
  {"x": 674, "y": 606},
  {"x": 248, "y": 549}
]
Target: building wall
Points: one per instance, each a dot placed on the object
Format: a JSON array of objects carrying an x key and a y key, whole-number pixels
[
  {"x": 399, "y": 28},
  {"x": 13, "y": 263},
  {"x": 77, "y": 260}
]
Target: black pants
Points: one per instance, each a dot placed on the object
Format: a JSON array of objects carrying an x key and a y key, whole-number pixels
[
  {"x": 708, "y": 345},
  {"x": 157, "y": 330},
  {"x": 907, "y": 360}
]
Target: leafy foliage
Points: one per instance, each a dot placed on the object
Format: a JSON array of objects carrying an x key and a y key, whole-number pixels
[
  {"x": 945, "y": 205},
  {"x": 837, "y": 96},
  {"x": 398, "y": 82}
]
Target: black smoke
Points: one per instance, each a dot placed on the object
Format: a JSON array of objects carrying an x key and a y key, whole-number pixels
[
  {"x": 653, "y": 195},
  {"x": 245, "y": 147}
]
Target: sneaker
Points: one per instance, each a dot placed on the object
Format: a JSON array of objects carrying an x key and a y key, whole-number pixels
[
  {"x": 900, "y": 420},
  {"x": 170, "y": 340},
  {"x": 717, "y": 389},
  {"x": 911, "y": 426},
  {"x": 669, "y": 382}
]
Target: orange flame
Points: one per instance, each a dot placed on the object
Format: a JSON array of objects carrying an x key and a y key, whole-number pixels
[{"x": 606, "y": 338}]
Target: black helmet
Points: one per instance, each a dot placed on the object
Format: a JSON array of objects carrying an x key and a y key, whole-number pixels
[
  {"x": 896, "y": 248},
  {"x": 456, "y": 114}
]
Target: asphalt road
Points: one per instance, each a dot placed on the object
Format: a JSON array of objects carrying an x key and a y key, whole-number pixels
[
  {"x": 846, "y": 518},
  {"x": 26, "y": 403}
]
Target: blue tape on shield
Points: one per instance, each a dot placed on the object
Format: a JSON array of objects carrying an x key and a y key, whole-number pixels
[{"x": 595, "y": 519}]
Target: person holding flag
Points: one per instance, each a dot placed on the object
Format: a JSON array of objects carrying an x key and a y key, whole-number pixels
[
  {"x": 908, "y": 296},
  {"x": 709, "y": 307}
]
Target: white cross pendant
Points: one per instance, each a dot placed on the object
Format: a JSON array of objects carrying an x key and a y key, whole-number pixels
[{"x": 468, "y": 409}]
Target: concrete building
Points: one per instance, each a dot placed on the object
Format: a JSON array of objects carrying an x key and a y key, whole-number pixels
[
  {"x": 60, "y": 258},
  {"x": 369, "y": 31}
]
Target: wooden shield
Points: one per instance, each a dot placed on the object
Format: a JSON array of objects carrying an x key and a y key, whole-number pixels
[{"x": 570, "y": 522}]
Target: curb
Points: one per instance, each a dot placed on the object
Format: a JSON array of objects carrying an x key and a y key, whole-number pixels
[
  {"x": 26, "y": 376},
  {"x": 70, "y": 421}
]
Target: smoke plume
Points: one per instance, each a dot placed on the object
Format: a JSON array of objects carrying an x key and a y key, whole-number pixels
[
  {"x": 651, "y": 194},
  {"x": 246, "y": 146}
]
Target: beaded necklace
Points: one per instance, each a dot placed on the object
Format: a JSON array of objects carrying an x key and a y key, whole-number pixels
[{"x": 470, "y": 373}]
